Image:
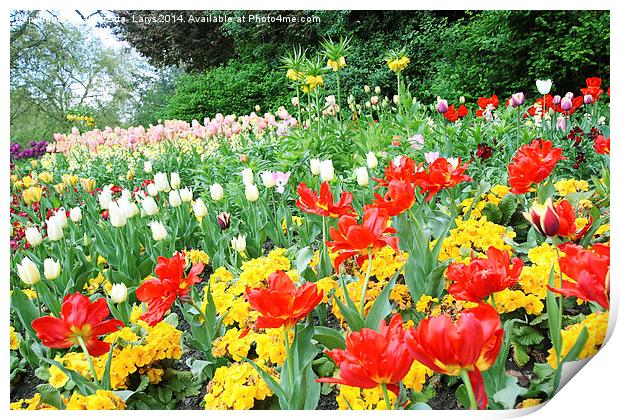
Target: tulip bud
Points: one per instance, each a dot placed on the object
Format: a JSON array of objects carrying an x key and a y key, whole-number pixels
[
  {"x": 223, "y": 220},
  {"x": 251, "y": 192},
  {"x": 371, "y": 160},
  {"x": 161, "y": 182},
  {"x": 150, "y": 206},
  {"x": 544, "y": 218},
  {"x": 374, "y": 100},
  {"x": 33, "y": 236},
  {"x": 461, "y": 99},
  {"x": 569, "y": 95},
  {"x": 561, "y": 124},
  {"x": 75, "y": 214},
  {"x": 396, "y": 99},
  {"x": 238, "y": 243},
  {"x": 295, "y": 101},
  {"x": 377, "y": 90},
  {"x": 51, "y": 269},
  {"x": 118, "y": 293},
  {"x": 257, "y": 108},
  {"x": 366, "y": 88},
  {"x": 557, "y": 99},
  {"x": 326, "y": 169},
  {"x": 442, "y": 106},
  {"x": 159, "y": 231},
  {"x": 28, "y": 272},
  {"x": 566, "y": 104},
  {"x": 174, "y": 198},
  {"x": 148, "y": 166},
  {"x": 217, "y": 192},
  {"x": 587, "y": 99},
  {"x": 268, "y": 179},
  {"x": 362, "y": 176},
  {"x": 248, "y": 176},
  {"x": 175, "y": 180},
  {"x": 186, "y": 195},
  {"x": 315, "y": 166}
]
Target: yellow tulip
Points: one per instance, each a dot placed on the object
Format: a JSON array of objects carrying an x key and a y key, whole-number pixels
[
  {"x": 60, "y": 187},
  {"x": 34, "y": 163},
  {"x": 45, "y": 177},
  {"x": 32, "y": 195},
  {"x": 88, "y": 184},
  {"x": 70, "y": 179},
  {"x": 28, "y": 181}
]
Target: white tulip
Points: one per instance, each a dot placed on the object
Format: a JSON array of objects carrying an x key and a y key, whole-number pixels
[
  {"x": 132, "y": 210},
  {"x": 362, "y": 176},
  {"x": 150, "y": 206},
  {"x": 159, "y": 231},
  {"x": 544, "y": 86},
  {"x": 28, "y": 272},
  {"x": 217, "y": 192},
  {"x": 327, "y": 170},
  {"x": 54, "y": 229},
  {"x": 51, "y": 269},
  {"x": 174, "y": 198},
  {"x": 186, "y": 194},
  {"x": 118, "y": 293},
  {"x": 248, "y": 176},
  {"x": 251, "y": 192},
  {"x": 268, "y": 179},
  {"x": 148, "y": 166},
  {"x": 61, "y": 216},
  {"x": 105, "y": 197},
  {"x": 33, "y": 236},
  {"x": 315, "y": 166},
  {"x": 371, "y": 160},
  {"x": 200, "y": 210},
  {"x": 161, "y": 182},
  {"x": 238, "y": 243},
  {"x": 152, "y": 190},
  {"x": 75, "y": 214},
  {"x": 175, "y": 180},
  {"x": 116, "y": 215}
]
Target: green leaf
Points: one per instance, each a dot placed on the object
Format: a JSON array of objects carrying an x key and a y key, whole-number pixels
[
  {"x": 51, "y": 396},
  {"x": 329, "y": 337},
  {"x": 84, "y": 386},
  {"x": 507, "y": 397},
  {"x": 271, "y": 383},
  {"x": 461, "y": 395},
  {"x": 105, "y": 380},
  {"x": 303, "y": 258},
  {"x": 526, "y": 335},
  {"x": 25, "y": 311},
  {"x": 350, "y": 315},
  {"x": 493, "y": 213},
  {"x": 508, "y": 205},
  {"x": 382, "y": 307},
  {"x": 520, "y": 354}
]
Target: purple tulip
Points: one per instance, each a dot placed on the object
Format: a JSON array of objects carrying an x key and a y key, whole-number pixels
[
  {"x": 442, "y": 106},
  {"x": 587, "y": 99},
  {"x": 518, "y": 99},
  {"x": 566, "y": 104},
  {"x": 569, "y": 95},
  {"x": 561, "y": 124},
  {"x": 557, "y": 99}
]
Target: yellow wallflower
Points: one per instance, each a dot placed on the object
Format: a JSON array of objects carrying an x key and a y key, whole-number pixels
[
  {"x": 565, "y": 187},
  {"x": 196, "y": 255},
  {"x": 14, "y": 339},
  {"x": 101, "y": 400},
  {"x": 236, "y": 387},
  {"x": 596, "y": 324},
  {"x": 33, "y": 403},
  {"x": 355, "y": 398}
]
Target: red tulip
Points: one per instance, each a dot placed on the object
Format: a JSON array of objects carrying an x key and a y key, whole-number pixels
[
  {"x": 482, "y": 277},
  {"x": 169, "y": 284},
  {"x": 483, "y": 103},
  {"x": 588, "y": 273},
  {"x": 471, "y": 343},
  {"x": 593, "y": 88},
  {"x": 552, "y": 219},
  {"x": 323, "y": 205},
  {"x": 442, "y": 174},
  {"x": 373, "y": 358},
  {"x": 532, "y": 164},
  {"x": 400, "y": 197},
  {"x": 282, "y": 304},
  {"x": 79, "y": 317},
  {"x": 401, "y": 169},
  {"x": 351, "y": 239},
  {"x": 601, "y": 145},
  {"x": 451, "y": 114}
]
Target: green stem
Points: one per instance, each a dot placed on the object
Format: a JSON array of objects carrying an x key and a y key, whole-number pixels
[
  {"x": 289, "y": 361},
  {"x": 90, "y": 360},
  {"x": 560, "y": 297},
  {"x": 363, "y": 299},
  {"x": 493, "y": 300},
  {"x": 386, "y": 396},
  {"x": 470, "y": 390}
]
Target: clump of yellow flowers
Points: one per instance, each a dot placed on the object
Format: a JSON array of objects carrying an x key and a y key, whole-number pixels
[
  {"x": 237, "y": 387},
  {"x": 565, "y": 187},
  {"x": 596, "y": 324},
  {"x": 100, "y": 400},
  {"x": 493, "y": 197},
  {"x": 138, "y": 347}
]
